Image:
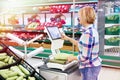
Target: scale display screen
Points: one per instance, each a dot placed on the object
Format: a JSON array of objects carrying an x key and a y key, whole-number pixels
[{"x": 54, "y": 33}]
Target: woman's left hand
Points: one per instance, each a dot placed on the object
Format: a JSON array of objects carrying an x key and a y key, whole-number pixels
[
  {"x": 64, "y": 37},
  {"x": 71, "y": 58}
]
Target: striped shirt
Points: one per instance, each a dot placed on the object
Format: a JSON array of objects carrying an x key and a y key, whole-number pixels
[{"x": 89, "y": 48}]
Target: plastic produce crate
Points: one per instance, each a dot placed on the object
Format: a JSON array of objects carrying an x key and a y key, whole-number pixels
[
  {"x": 113, "y": 41},
  {"x": 33, "y": 72},
  {"x": 116, "y": 43},
  {"x": 112, "y": 30},
  {"x": 112, "y": 18}
]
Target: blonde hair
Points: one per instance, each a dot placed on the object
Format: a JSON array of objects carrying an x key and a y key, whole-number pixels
[{"x": 87, "y": 14}]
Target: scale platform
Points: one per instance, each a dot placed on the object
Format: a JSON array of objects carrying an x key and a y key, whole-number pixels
[{"x": 62, "y": 67}]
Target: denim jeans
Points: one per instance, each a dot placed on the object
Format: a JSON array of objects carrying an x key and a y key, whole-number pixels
[{"x": 90, "y": 73}]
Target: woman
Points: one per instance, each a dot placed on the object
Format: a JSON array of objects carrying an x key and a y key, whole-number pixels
[{"x": 88, "y": 44}]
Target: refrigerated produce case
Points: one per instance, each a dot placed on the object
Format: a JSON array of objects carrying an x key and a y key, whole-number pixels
[{"x": 109, "y": 31}]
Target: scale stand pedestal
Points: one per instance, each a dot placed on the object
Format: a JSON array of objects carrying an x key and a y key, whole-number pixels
[
  {"x": 54, "y": 51},
  {"x": 55, "y": 46}
]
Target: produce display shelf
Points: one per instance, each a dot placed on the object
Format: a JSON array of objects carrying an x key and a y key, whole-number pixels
[
  {"x": 46, "y": 52},
  {"x": 18, "y": 61}
]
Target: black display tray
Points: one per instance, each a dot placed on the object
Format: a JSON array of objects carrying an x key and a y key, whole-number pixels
[
  {"x": 1, "y": 78},
  {"x": 33, "y": 72},
  {"x": 19, "y": 61}
]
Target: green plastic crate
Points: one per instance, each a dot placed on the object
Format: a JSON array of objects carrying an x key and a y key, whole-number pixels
[
  {"x": 112, "y": 30},
  {"x": 116, "y": 43},
  {"x": 113, "y": 41},
  {"x": 112, "y": 18}
]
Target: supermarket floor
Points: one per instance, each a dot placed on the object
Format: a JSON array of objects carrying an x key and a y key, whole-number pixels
[{"x": 107, "y": 73}]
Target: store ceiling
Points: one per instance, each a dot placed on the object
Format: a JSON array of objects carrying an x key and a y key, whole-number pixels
[
  {"x": 28, "y": 5},
  {"x": 37, "y": 2}
]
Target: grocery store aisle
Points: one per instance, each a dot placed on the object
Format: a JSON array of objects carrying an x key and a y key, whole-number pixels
[{"x": 109, "y": 74}]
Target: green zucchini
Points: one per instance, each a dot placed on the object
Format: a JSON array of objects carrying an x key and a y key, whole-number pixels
[
  {"x": 13, "y": 61},
  {"x": 7, "y": 59},
  {"x": 31, "y": 78},
  {"x": 2, "y": 57},
  {"x": 12, "y": 74},
  {"x": 2, "y": 64},
  {"x": 16, "y": 69},
  {"x": 4, "y": 70},
  {"x": 12, "y": 78},
  {"x": 20, "y": 78},
  {"x": 24, "y": 79},
  {"x": 4, "y": 75},
  {"x": 10, "y": 60},
  {"x": 8, "y": 72},
  {"x": 3, "y": 54},
  {"x": 24, "y": 70},
  {"x": 62, "y": 56},
  {"x": 57, "y": 61}
]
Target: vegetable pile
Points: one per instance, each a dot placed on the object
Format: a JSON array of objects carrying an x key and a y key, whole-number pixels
[
  {"x": 60, "y": 58},
  {"x": 112, "y": 17},
  {"x": 5, "y": 59},
  {"x": 16, "y": 73},
  {"x": 113, "y": 39}
]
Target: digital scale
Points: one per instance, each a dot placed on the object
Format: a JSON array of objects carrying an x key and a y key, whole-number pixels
[{"x": 54, "y": 34}]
